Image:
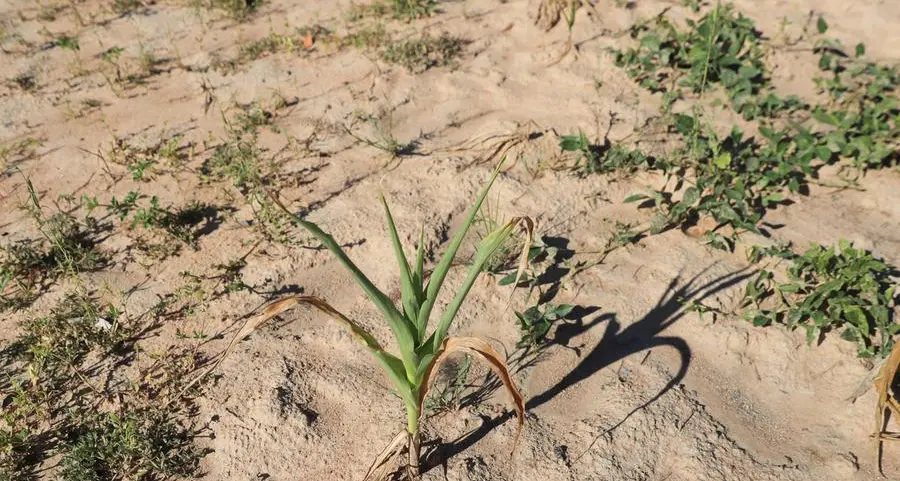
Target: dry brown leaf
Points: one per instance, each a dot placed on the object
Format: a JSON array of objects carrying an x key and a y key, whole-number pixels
[
  {"x": 483, "y": 350},
  {"x": 887, "y": 405},
  {"x": 275, "y": 308},
  {"x": 378, "y": 469},
  {"x": 704, "y": 225}
]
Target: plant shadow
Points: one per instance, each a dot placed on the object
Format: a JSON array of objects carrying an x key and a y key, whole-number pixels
[{"x": 617, "y": 343}]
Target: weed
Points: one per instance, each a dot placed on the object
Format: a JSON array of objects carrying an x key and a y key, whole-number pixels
[
  {"x": 382, "y": 123},
  {"x": 239, "y": 159},
  {"x": 53, "y": 409},
  {"x": 721, "y": 48},
  {"x": 68, "y": 43},
  {"x": 542, "y": 256},
  {"x": 421, "y": 354},
  {"x": 128, "y": 446},
  {"x": 143, "y": 162},
  {"x": 425, "y": 52},
  {"x": 60, "y": 341},
  {"x": 536, "y": 322},
  {"x": 602, "y": 159},
  {"x": 66, "y": 247},
  {"x": 302, "y": 41},
  {"x": 111, "y": 56},
  {"x": 180, "y": 224},
  {"x": 26, "y": 81},
  {"x": 229, "y": 275},
  {"x": 828, "y": 288},
  {"x": 407, "y": 10},
  {"x": 861, "y": 116},
  {"x": 17, "y": 151},
  {"x": 447, "y": 396},
  {"x": 125, "y": 7},
  {"x": 238, "y": 10},
  {"x": 368, "y": 38},
  {"x": 413, "y": 9},
  {"x": 734, "y": 180}
]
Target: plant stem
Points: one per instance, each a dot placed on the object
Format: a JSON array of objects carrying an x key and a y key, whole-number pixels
[{"x": 412, "y": 418}]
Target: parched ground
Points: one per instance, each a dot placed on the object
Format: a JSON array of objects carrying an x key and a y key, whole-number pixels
[{"x": 635, "y": 386}]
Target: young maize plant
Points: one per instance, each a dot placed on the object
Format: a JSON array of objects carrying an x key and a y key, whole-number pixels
[{"x": 421, "y": 354}]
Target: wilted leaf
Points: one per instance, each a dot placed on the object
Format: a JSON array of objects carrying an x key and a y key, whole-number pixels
[{"x": 483, "y": 350}]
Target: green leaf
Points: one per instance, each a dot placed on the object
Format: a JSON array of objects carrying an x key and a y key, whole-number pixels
[
  {"x": 571, "y": 143},
  {"x": 486, "y": 249},
  {"x": 723, "y": 160},
  {"x": 788, "y": 288},
  {"x": 691, "y": 196},
  {"x": 440, "y": 271},
  {"x": 396, "y": 372},
  {"x": 407, "y": 291},
  {"x": 821, "y": 25},
  {"x": 634, "y": 198},
  {"x": 860, "y": 49},
  {"x": 402, "y": 331}
]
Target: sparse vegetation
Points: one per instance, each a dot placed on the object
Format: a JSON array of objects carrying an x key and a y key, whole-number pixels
[
  {"x": 141, "y": 251},
  {"x": 407, "y": 10},
  {"x": 66, "y": 247}
]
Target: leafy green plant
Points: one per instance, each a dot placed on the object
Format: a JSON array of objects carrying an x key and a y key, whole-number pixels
[
  {"x": 421, "y": 353},
  {"x": 420, "y": 54},
  {"x": 721, "y": 48},
  {"x": 862, "y": 115},
  {"x": 536, "y": 321},
  {"x": 602, "y": 159},
  {"x": 733, "y": 179},
  {"x": 827, "y": 289},
  {"x": 179, "y": 223}
]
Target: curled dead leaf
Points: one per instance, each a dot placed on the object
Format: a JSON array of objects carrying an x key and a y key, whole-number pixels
[{"x": 483, "y": 350}]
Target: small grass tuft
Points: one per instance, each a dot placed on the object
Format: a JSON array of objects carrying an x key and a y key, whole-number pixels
[
  {"x": 113, "y": 447},
  {"x": 420, "y": 54}
]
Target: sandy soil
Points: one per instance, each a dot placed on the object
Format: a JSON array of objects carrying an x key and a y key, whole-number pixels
[{"x": 636, "y": 389}]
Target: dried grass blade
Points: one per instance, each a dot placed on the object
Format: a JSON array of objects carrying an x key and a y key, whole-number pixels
[
  {"x": 883, "y": 383},
  {"x": 383, "y": 461},
  {"x": 483, "y": 350},
  {"x": 276, "y": 308}
]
